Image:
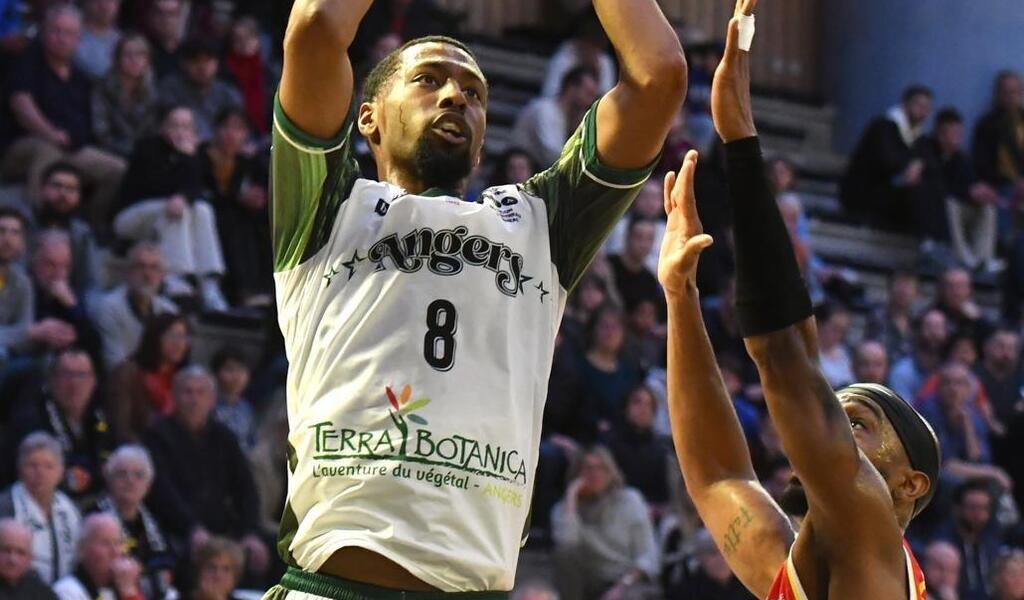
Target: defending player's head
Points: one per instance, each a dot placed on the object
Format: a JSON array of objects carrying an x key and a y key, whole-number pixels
[
  {"x": 897, "y": 440},
  {"x": 424, "y": 112}
]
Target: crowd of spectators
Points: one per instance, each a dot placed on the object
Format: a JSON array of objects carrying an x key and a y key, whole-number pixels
[{"x": 137, "y": 134}]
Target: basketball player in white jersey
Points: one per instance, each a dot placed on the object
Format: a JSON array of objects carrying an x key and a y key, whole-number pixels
[
  {"x": 419, "y": 327},
  {"x": 865, "y": 461}
]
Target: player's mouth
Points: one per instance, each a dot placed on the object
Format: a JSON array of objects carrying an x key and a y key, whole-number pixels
[{"x": 451, "y": 128}]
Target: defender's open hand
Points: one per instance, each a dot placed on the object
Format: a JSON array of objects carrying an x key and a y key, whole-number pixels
[
  {"x": 684, "y": 236},
  {"x": 730, "y": 90}
]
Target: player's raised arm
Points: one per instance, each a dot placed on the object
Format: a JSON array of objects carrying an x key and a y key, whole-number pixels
[
  {"x": 752, "y": 532},
  {"x": 775, "y": 316},
  {"x": 636, "y": 115},
  {"x": 316, "y": 80}
]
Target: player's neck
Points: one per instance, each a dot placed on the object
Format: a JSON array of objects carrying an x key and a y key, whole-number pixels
[{"x": 413, "y": 184}]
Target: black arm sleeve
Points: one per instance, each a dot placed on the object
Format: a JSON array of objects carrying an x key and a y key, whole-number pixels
[{"x": 770, "y": 291}]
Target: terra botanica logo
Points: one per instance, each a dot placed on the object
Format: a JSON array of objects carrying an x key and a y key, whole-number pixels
[{"x": 418, "y": 444}]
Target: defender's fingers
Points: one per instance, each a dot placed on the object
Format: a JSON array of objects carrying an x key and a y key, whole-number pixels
[
  {"x": 749, "y": 6},
  {"x": 737, "y": 9},
  {"x": 697, "y": 244},
  {"x": 688, "y": 200},
  {"x": 732, "y": 40},
  {"x": 669, "y": 183}
]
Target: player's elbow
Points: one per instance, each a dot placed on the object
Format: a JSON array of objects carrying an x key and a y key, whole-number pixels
[
  {"x": 319, "y": 23},
  {"x": 664, "y": 77}
]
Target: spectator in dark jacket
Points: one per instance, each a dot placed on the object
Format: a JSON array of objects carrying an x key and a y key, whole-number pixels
[
  {"x": 975, "y": 533},
  {"x": 642, "y": 454},
  {"x": 886, "y": 167},
  {"x": 197, "y": 86},
  {"x": 203, "y": 483},
  {"x": 50, "y": 101},
  {"x": 57, "y": 208},
  {"x": 65, "y": 407},
  {"x": 968, "y": 204},
  {"x": 162, "y": 197},
  {"x": 999, "y": 138},
  {"x": 18, "y": 580},
  {"x": 165, "y": 26}
]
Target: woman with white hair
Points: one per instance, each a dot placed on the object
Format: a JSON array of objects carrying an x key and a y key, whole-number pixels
[
  {"x": 128, "y": 474},
  {"x": 35, "y": 501},
  {"x": 604, "y": 539}
]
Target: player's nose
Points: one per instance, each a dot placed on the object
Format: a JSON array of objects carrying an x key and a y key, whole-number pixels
[{"x": 453, "y": 95}]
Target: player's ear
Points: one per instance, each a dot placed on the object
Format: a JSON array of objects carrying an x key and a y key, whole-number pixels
[
  {"x": 366, "y": 121},
  {"x": 914, "y": 485}
]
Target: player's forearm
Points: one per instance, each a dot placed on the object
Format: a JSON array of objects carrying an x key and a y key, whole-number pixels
[
  {"x": 649, "y": 51},
  {"x": 708, "y": 438},
  {"x": 331, "y": 20}
]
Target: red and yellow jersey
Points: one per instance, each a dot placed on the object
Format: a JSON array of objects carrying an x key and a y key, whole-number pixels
[{"x": 787, "y": 584}]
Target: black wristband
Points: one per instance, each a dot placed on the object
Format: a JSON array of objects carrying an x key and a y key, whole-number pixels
[{"x": 770, "y": 290}]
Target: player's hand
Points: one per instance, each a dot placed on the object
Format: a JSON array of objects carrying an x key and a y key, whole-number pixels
[
  {"x": 730, "y": 90},
  {"x": 684, "y": 236}
]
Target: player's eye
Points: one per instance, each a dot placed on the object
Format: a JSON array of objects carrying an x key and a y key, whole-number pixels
[
  {"x": 427, "y": 79},
  {"x": 857, "y": 423},
  {"x": 473, "y": 93}
]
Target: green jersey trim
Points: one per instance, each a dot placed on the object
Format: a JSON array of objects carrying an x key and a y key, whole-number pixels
[{"x": 310, "y": 179}]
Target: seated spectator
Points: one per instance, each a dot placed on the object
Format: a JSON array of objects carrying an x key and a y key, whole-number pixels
[
  {"x": 634, "y": 281},
  {"x": 197, "y": 86},
  {"x": 103, "y": 569},
  {"x": 955, "y": 298},
  {"x": 65, "y": 408},
  {"x": 50, "y": 101},
  {"x": 203, "y": 482},
  {"x": 970, "y": 205},
  {"x": 641, "y": 453},
  {"x": 231, "y": 369},
  {"x": 121, "y": 314},
  {"x": 35, "y": 501},
  {"x": 55, "y": 296},
  {"x": 99, "y": 36},
  {"x": 1008, "y": 576},
  {"x": 892, "y": 323},
  {"x": 57, "y": 208},
  {"x": 607, "y": 375},
  {"x": 931, "y": 334},
  {"x": 269, "y": 473},
  {"x": 942, "y": 571},
  {"x": 166, "y": 27},
  {"x": 513, "y": 167},
  {"x": 833, "y": 357},
  {"x": 590, "y": 295},
  {"x": 18, "y": 580},
  {"x": 129, "y": 475},
  {"x": 886, "y": 167},
  {"x": 706, "y": 575},
  {"x": 162, "y": 198},
  {"x": 702, "y": 61},
  {"x": 235, "y": 184},
  {"x": 604, "y": 541},
  {"x": 18, "y": 330},
  {"x": 1000, "y": 374},
  {"x": 648, "y": 206},
  {"x": 961, "y": 429},
  {"x": 404, "y": 19},
  {"x": 975, "y": 533},
  {"x": 998, "y": 147},
  {"x": 645, "y": 337},
  {"x": 870, "y": 363},
  {"x": 244, "y": 60},
  {"x": 124, "y": 101},
  {"x": 545, "y": 124},
  {"x": 218, "y": 569},
  {"x": 588, "y": 47},
  {"x": 724, "y": 332},
  {"x": 140, "y": 387}
]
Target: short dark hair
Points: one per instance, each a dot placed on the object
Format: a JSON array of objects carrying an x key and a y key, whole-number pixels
[
  {"x": 229, "y": 113},
  {"x": 973, "y": 485},
  {"x": 10, "y": 212},
  {"x": 227, "y": 354},
  {"x": 198, "y": 46},
  {"x": 61, "y": 166},
  {"x": 916, "y": 90},
  {"x": 382, "y": 72},
  {"x": 948, "y": 116},
  {"x": 575, "y": 76}
]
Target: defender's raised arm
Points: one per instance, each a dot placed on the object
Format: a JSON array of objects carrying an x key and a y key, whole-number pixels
[
  {"x": 753, "y": 534},
  {"x": 636, "y": 115},
  {"x": 316, "y": 81}
]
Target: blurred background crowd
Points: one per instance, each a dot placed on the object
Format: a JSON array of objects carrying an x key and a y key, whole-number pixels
[{"x": 142, "y": 419}]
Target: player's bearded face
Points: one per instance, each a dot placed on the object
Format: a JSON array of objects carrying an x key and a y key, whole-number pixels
[{"x": 440, "y": 164}]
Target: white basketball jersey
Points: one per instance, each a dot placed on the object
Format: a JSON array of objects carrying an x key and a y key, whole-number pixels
[{"x": 419, "y": 331}]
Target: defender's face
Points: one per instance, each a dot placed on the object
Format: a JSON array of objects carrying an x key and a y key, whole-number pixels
[{"x": 437, "y": 100}]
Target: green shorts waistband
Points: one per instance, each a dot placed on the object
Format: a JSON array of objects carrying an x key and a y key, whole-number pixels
[{"x": 337, "y": 588}]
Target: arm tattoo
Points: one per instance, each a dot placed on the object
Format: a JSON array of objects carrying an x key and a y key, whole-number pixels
[{"x": 732, "y": 538}]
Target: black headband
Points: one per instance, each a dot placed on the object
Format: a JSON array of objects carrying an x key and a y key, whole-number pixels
[{"x": 916, "y": 435}]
